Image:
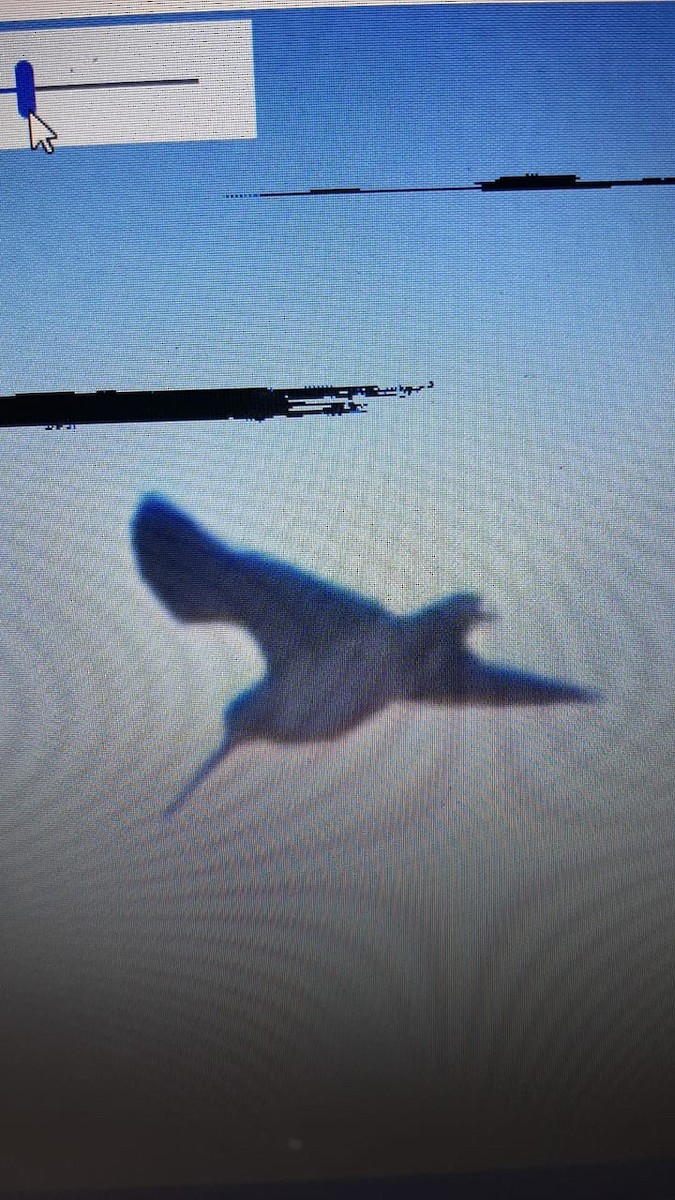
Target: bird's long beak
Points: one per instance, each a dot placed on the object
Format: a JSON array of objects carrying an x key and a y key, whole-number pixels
[{"x": 206, "y": 768}]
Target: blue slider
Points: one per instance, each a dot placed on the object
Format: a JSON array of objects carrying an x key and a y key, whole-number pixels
[{"x": 25, "y": 88}]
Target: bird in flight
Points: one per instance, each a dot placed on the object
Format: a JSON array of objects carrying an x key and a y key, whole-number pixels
[{"x": 334, "y": 657}]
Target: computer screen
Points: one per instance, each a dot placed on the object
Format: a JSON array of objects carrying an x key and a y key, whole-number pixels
[{"x": 336, "y": 650}]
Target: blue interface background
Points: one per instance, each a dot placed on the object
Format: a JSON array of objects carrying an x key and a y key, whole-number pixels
[{"x": 143, "y": 273}]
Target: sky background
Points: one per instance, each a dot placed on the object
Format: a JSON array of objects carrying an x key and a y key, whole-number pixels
[
  {"x": 446, "y": 940},
  {"x": 142, "y": 273}
]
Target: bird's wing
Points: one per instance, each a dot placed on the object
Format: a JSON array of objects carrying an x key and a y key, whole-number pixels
[{"x": 199, "y": 578}]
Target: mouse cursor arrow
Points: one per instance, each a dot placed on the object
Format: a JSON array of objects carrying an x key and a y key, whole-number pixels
[{"x": 41, "y": 134}]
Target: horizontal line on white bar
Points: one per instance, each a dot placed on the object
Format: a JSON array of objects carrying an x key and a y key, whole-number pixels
[{"x": 36, "y": 10}]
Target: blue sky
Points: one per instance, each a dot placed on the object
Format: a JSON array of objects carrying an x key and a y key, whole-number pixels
[{"x": 142, "y": 273}]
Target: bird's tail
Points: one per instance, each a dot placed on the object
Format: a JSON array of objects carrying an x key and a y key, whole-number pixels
[{"x": 206, "y": 768}]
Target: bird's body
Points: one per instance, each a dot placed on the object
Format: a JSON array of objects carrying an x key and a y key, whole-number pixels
[{"x": 334, "y": 658}]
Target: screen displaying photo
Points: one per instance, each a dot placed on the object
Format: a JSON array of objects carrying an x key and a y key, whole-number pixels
[{"x": 336, "y": 654}]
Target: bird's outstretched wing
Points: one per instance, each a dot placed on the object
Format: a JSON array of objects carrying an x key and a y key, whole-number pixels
[{"x": 199, "y": 578}]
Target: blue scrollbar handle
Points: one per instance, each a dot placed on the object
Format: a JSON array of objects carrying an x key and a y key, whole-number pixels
[{"x": 25, "y": 88}]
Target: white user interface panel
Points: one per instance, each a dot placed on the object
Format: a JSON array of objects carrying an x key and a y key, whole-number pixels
[{"x": 184, "y": 81}]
